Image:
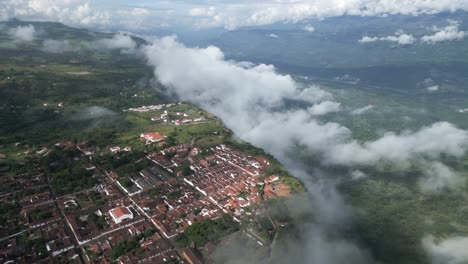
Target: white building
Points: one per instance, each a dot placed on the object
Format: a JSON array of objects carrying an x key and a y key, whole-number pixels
[{"x": 120, "y": 214}]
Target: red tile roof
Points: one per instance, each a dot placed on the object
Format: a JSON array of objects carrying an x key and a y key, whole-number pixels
[
  {"x": 154, "y": 136},
  {"x": 121, "y": 211}
]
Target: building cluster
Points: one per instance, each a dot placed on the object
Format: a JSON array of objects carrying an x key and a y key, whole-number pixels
[
  {"x": 177, "y": 116},
  {"x": 172, "y": 157},
  {"x": 178, "y": 119},
  {"x": 227, "y": 181},
  {"x": 88, "y": 225},
  {"x": 230, "y": 179},
  {"x": 102, "y": 219},
  {"x": 187, "y": 121},
  {"x": 96, "y": 212},
  {"x": 86, "y": 148},
  {"x": 174, "y": 205},
  {"x": 152, "y": 137},
  {"x": 182, "y": 187},
  {"x": 28, "y": 217},
  {"x": 118, "y": 149},
  {"x": 149, "y": 108}
]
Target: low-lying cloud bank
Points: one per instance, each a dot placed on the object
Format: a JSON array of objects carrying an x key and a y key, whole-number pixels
[
  {"x": 449, "y": 251},
  {"x": 23, "y": 33},
  {"x": 448, "y": 33},
  {"x": 424, "y": 144},
  {"x": 95, "y": 116},
  {"x": 119, "y": 41},
  {"x": 245, "y": 97},
  {"x": 324, "y": 108},
  {"x": 438, "y": 176},
  {"x": 400, "y": 38},
  {"x": 57, "y": 46},
  {"x": 28, "y": 33},
  {"x": 250, "y": 99}
]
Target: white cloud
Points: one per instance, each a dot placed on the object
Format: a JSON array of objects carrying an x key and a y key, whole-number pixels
[
  {"x": 229, "y": 14},
  {"x": 433, "y": 88},
  {"x": 272, "y": 36},
  {"x": 203, "y": 12},
  {"x": 448, "y": 33},
  {"x": 423, "y": 144},
  {"x": 136, "y": 12},
  {"x": 428, "y": 82},
  {"x": 93, "y": 112},
  {"x": 134, "y": 20},
  {"x": 207, "y": 77},
  {"x": 362, "y": 110},
  {"x": 68, "y": 11},
  {"x": 347, "y": 78},
  {"x": 118, "y": 41},
  {"x": 357, "y": 175},
  {"x": 439, "y": 176},
  {"x": 23, "y": 33},
  {"x": 324, "y": 108},
  {"x": 400, "y": 38},
  {"x": 448, "y": 251},
  {"x": 56, "y": 46},
  {"x": 83, "y": 13},
  {"x": 244, "y": 97},
  {"x": 269, "y": 12},
  {"x": 403, "y": 39},
  {"x": 367, "y": 39},
  {"x": 309, "y": 28},
  {"x": 314, "y": 94},
  {"x": 250, "y": 99}
]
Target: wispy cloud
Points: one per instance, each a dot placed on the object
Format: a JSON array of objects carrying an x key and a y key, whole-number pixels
[
  {"x": 309, "y": 28},
  {"x": 118, "y": 41},
  {"x": 23, "y": 33},
  {"x": 447, "y": 251},
  {"x": 57, "y": 46},
  {"x": 439, "y": 177},
  {"x": 324, "y": 108},
  {"x": 251, "y": 100},
  {"x": 362, "y": 110},
  {"x": 400, "y": 37},
  {"x": 448, "y": 33},
  {"x": 245, "y": 97},
  {"x": 433, "y": 88}
]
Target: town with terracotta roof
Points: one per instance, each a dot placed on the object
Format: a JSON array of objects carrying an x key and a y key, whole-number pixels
[{"x": 140, "y": 200}]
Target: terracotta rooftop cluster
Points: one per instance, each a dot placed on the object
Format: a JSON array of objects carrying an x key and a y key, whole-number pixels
[
  {"x": 227, "y": 181},
  {"x": 176, "y": 206},
  {"x": 230, "y": 179},
  {"x": 172, "y": 157}
]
